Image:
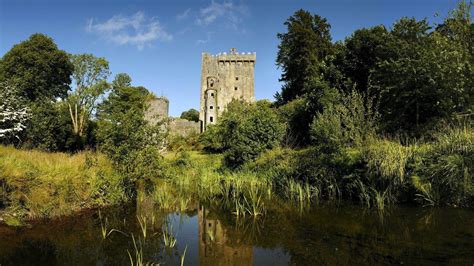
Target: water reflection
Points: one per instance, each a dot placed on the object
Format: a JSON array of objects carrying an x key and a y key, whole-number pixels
[
  {"x": 215, "y": 246},
  {"x": 324, "y": 235}
]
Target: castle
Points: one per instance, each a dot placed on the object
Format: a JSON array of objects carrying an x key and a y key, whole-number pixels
[{"x": 224, "y": 77}]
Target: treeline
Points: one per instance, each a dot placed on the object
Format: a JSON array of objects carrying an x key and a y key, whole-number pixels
[
  {"x": 383, "y": 116},
  {"x": 55, "y": 101}
]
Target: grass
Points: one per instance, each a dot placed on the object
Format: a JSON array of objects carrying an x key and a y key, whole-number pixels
[{"x": 40, "y": 184}]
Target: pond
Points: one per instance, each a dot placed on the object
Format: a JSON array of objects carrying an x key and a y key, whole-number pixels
[{"x": 204, "y": 235}]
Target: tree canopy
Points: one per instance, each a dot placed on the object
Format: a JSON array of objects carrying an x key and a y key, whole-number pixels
[
  {"x": 191, "y": 115},
  {"x": 37, "y": 68}
]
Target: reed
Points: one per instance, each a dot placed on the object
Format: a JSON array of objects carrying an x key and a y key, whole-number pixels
[{"x": 169, "y": 239}]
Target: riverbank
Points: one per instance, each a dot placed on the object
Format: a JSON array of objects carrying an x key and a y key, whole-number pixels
[
  {"x": 377, "y": 174},
  {"x": 35, "y": 184}
]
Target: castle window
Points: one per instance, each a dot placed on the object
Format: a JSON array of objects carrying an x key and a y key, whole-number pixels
[
  {"x": 211, "y": 107},
  {"x": 236, "y": 78},
  {"x": 211, "y": 119},
  {"x": 235, "y": 88},
  {"x": 212, "y": 94}
]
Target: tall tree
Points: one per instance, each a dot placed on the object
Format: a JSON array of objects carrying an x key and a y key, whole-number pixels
[
  {"x": 303, "y": 50},
  {"x": 425, "y": 79},
  {"x": 90, "y": 77},
  {"x": 121, "y": 80},
  {"x": 363, "y": 50},
  {"x": 37, "y": 68}
]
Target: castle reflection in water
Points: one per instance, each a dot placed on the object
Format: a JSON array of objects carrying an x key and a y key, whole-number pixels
[{"x": 215, "y": 247}]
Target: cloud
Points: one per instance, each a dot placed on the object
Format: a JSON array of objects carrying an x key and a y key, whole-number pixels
[
  {"x": 227, "y": 12},
  {"x": 184, "y": 15},
  {"x": 137, "y": 30},
  {"x": 204, "y": 41}
]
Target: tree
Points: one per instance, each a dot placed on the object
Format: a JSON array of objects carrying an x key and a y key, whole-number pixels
[
  {"x": 122, "y": 80},
  {"x": 90, "y": 76},
  {"x": 49, "y": 128},
  {"x": 303, "y": 50},
  {"x": 246, "y": 130},
  {"x": 37, "y": 68},
  {"x": 426, "y": 78},
  {"x": 363, "y": 50},
  {"x": 14, "y": 114},
  {"x": 126, "y": 137},
  {"x": 191, "y": 115}
]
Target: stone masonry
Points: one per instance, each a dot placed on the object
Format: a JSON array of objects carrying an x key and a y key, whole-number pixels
[{"x": 224, "y": 77}]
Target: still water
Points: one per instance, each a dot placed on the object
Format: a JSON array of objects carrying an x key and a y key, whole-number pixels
[{"x": 324, "y": 235}]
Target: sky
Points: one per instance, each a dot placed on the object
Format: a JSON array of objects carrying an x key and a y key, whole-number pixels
[{"x": 159, "y": 43}]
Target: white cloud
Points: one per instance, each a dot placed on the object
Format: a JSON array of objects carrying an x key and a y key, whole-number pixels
[
  {"x": 184, "y": 15},
  {"x": 137, "y": 30},
  {"x": 228, "y": 12},
  {"x": 204, "y": 41}
]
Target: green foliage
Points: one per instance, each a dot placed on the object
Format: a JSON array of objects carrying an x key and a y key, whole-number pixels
[
  {"x": 246, "y": 130},
  {"x": 444, "y": 170},
  {"x": 212, "y": 139},
  {"x": 191, "y": 115},
  {"x": 48, "y": 128},
  {"x": 425, "y": 79},
  {"x": 90, "y": 76},
  {"x": 189, "y": 142},
  {"x": 122, "y": 80},
  {"x": 420, "y": 76},
  {"x": 297, "y": 117},
  {"x": 303, "y": 50},
  {"x": 362, "y": 51},
  {"x": 348, "y": 123},
  {"x": 126, "y": 138},
  {"x": 37, "y": 68}
]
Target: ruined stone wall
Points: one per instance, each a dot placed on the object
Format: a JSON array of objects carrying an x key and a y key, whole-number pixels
[
  {"x": 183, "y": 127},
  {"x": 158, "y": 110},
  {"x": 224, "y": 77}
]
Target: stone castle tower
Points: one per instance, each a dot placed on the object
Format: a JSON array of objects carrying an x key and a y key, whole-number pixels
[{"x": 224, "y": 77}]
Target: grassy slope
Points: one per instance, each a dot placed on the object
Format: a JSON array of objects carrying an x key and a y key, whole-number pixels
[{"x": 38, "y": 184}]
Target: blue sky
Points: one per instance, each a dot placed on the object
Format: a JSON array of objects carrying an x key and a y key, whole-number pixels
[{"x": 159, "y": 43}]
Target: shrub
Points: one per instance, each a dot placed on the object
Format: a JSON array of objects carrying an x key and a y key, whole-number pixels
[
  {"x": 189, "y": 142},
  {"x": 351, "y": 122},
  {"x": 444, "y": 168},
  {"x": 211, "y": 139},
  {"x": 248, "y": 129}
]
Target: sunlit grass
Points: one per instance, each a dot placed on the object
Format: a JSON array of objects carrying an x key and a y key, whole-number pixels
[{"x": 52, "y": 184}]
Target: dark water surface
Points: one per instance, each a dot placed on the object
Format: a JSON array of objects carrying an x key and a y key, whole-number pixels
[{"x": 324, "y": 235}]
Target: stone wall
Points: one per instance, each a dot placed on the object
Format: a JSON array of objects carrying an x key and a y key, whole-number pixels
[
  {"x": 224, "y": 77},
  {"x": 158, "y": 110},
  {"x": 183, "y": 127}
]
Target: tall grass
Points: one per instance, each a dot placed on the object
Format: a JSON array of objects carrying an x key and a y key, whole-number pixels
[{"x": 42, "y": 184}]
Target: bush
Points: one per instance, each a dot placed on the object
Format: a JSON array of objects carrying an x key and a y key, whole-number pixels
[
  {"x": 211, "y": 139},
  {"x": 246, "y": 130},
  {"x": 189, "y": 142},
  {"x": 349, "y": 123},
  {"x": 444, "y": 168}
]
